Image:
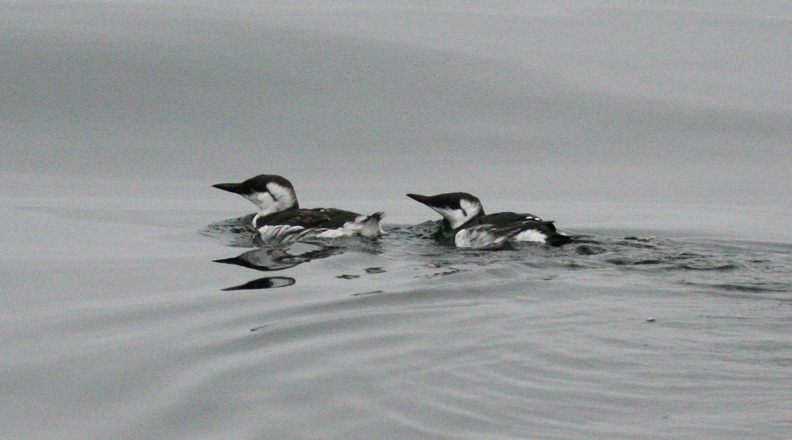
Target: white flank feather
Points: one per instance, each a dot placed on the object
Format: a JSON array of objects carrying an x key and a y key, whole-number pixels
[
  {"x": 364, "y": 225},
  {"x": 531, "y": 235},
  {"x": 283, "y": 233},
  {"x": 478, "y": 237}
]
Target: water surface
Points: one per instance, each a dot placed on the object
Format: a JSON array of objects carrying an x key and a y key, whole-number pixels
[
  {"x": 150, "y": 328},
  {"x": 658, "y": 133}
]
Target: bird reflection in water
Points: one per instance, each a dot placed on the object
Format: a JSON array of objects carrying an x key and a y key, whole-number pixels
[
  {"x": 281, "y": 257},
  {"x": 274, "y": 258},
  {"x": 264, "y": 283}
]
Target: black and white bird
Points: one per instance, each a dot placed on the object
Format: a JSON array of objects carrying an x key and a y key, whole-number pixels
[
  {"x": 281, "y": 219},
  {"x": 466, "y": 225}
]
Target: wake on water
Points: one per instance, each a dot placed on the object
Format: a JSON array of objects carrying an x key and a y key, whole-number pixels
[{"x": 602, "y": 257}]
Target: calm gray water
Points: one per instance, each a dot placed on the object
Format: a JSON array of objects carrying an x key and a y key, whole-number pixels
[
  {"x": 118, "y": 322},
  {"x": 659, "y": 133}
]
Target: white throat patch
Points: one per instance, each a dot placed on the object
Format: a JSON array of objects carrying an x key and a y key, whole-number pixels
[
  {"x": 471, "y": 207},
  {"x": 279, "y": 198},
  {"x": 263, "y": 200},
  {"x": 285, "y": 197},
  {"x": 458, "y": 217}
]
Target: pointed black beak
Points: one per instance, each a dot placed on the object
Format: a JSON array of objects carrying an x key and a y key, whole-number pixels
[
  {"x": 230, "y": 187},
  {"x": 419, "y": 198}
]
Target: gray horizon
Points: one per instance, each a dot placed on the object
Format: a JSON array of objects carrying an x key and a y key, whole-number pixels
[{"x": 572, "y": 102}]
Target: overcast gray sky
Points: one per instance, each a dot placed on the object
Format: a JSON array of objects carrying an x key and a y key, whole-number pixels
[{"x": 673, "y": 100}]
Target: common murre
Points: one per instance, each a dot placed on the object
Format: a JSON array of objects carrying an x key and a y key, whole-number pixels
[
  {"x": 466, "y": 225},
  {"x": 281, "y": 219}
]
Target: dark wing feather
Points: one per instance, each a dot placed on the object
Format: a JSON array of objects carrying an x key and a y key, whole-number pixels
[
  {"x": 329, "y": 218},
  {"x": 500, "y": 219},
  {"x": 512, "y": 223}
]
